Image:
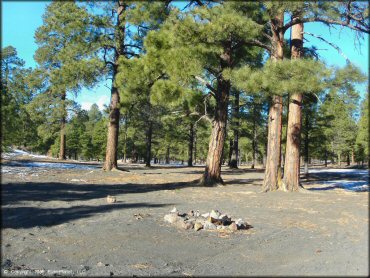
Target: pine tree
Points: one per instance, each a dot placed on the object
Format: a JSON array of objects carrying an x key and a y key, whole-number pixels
[
  {"x": 17, "y": 128},
  {"x": 64, "y": 57},
  {"x": 115, "y": 41},
  {"x": 198, "y": 50},
  {"x": 362, "y": 138}
]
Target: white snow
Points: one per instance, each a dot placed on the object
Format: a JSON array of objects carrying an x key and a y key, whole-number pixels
[
  {"x": 351, "y": 171},
  {"x": 353, "y": 180}
]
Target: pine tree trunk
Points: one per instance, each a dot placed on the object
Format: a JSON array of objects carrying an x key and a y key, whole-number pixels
[
  {"x": 195, "y": 146},
  {"x": 113, "y": 129},
  {"x": 62, "y": 147},
  {"x": 235, "y": 146},
  {"x": 339, "y": 159},
  {"x": 254, "y": 141},
  {"x": 190, "y": 146},
  {"x": 168, "y": 155},
  {"x": 353, "y": 156},
  {"x": 149, "y": 133},
  {"x": 212, "y": 173},
  {"x": 272, "y": 180},
  {"x": 114, "y": 113},
  {"x": 292, "y": 155},
  {"x": 348, "y": 161},
  {"x": 230, "y": 150}
]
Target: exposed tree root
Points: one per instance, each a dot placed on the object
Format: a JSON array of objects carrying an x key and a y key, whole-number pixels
[{"x": 210, "y": 182}]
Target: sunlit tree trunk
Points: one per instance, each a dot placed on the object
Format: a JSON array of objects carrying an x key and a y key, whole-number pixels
[
  {"x": 114, "y": 113},
  {"x": 291, "y": 180},
  {"x": 113, "y": 129},
  {"x": 272, "y": 179},
  {"x": 254, "y": 141},
  {"x": 235, "y": 126},
  {"x": 212, "y": 173},
  {"x": 62, "y": 147},
  {"x": 149, "y": 133},
  {"x": 168, "y": 155},
  {"x": 190, "y": 144}
]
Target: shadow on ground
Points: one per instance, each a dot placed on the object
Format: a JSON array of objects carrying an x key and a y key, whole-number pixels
[
  {"x": 29, "y": 217},
  {"x": 13, "y": 193}
]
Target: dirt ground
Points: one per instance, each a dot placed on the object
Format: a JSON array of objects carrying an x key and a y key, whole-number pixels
[{"x": 57, "y": 222}]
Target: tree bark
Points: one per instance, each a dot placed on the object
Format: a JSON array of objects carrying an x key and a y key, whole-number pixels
[
  {"x": 212, "y": 173},
  {"x": 272, "y": 180},
  {"x": 235, "y": 145},
  {"x": 195, "y": 145},
  {"x": 254, "y": 141},
  {"x": 230, "y": 150},
  {"x": 291, "y": 180},
  {"x": 149, "y": 133},
  {"x": 114, "y": 114},
  {"x": 168, "y": 155},
  {"x": 113, "y": 129},
  {"x": 348, "y": 160},
  {"x": 190, "y": 146},
  {"x": 62, "y": 147},
  {"x": 339, "y": 159}
]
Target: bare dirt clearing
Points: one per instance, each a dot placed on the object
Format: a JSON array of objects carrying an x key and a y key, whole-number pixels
[{"x": 58, "y": 219}]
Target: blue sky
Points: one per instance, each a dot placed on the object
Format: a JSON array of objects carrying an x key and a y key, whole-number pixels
[{"x": 20, "y": 19}]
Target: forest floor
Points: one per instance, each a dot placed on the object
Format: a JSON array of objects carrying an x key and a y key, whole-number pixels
[{"x": 57, "y": 221}]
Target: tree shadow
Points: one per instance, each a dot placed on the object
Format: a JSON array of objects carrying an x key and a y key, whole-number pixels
[
  {"x": 13, "y": 193},
  {"x": 28, "y": 217},
  {"x": 254, "y": 182}
]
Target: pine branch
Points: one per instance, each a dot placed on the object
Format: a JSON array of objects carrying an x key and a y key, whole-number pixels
[
  {"x": 258, "y": 43},
  {"x": 331, "y": 44},
  {"x": 327, "y": 21},
  {"x": 209, "y": 86}
]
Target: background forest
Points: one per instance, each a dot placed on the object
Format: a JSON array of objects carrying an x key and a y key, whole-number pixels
[{"x": 187, "y": 84}]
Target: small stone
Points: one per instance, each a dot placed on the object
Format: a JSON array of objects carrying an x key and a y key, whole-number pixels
[
  {"x": 233, "y": 227},
  {"x": 111, "y": 199},
  {"x": 190, "y": 213},
  {"x": 172, "y": 218},
  {"x": 198, "y": 226},
  {"x": 225, "y": 219},
  {"x": 184, "y": 225},
  {"x": 100, "y": 264},
  {"x": 209, "y": 226},
  {"x": 174, "y": 210},
  {"x": 196, "y": 213},
  {"x": 215, "y": 214},
  {"x": 205, "y": 215},
  {"x": 239, "y": 222},
  {"x": 214, "y": 220}
]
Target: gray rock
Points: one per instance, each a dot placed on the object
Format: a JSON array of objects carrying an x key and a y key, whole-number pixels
[
  {"x": 198, "y": 226},
  {"x": 215, "y": 214},
  {"x": 172, "y": 218},
  {"x": 209, "y": 226},
  {"x": 233, "y": 227},
  {"x": 184, "y": 225},
  {"x": 205, "y": 215},
  {"x": 239, "y": 222}
]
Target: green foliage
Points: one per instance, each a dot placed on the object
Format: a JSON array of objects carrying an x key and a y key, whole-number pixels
[
  {"x": 362, "y": 138},
  {"x": 17, "y": 128}
]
